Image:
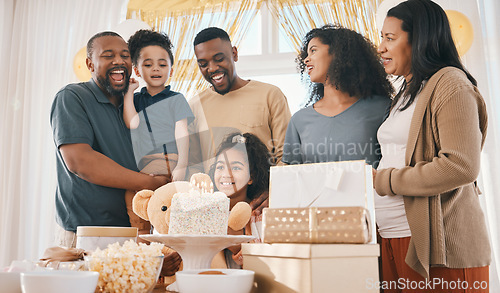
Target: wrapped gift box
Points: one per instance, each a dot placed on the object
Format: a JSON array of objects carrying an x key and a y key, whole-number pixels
[
  {"x": 323, "y": 185},
  {"x": 312, "y": 268},
  {"x": 316, "y": 225}
]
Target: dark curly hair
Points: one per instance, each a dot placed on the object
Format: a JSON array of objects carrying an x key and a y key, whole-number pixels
[
  {"x": 258, "y": 160},
  {"x": 145, "y": 38},
  {"x": 355, "y": 69}
]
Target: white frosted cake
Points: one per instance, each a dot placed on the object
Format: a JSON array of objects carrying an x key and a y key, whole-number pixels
[{"x": 195, "y": 213}]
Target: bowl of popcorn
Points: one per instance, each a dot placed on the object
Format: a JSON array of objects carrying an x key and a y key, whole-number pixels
[
  {"x": 215, "y": 281},
  {"x": 132, "y": 268}
]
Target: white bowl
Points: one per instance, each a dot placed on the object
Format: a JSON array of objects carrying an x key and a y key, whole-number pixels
[
  {"x": 51, "y": 281},
  {"x": 233, "y": 281},
  {"x": 10, "y": 282}
]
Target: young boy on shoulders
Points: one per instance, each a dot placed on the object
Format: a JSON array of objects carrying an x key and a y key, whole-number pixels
[{"x": 156, "y": 116}]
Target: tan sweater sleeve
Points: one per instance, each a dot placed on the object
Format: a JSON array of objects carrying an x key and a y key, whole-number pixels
[
  {"x": 456, "y": 111},
  {"x": 278, "y": 121}
]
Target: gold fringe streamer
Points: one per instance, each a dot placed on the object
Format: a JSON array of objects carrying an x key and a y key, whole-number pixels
[
  {"x": 297, "y": 17},
  {"x": 181, "y": 20}
]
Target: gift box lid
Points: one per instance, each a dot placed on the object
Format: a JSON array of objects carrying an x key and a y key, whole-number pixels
[
  {"x": 105, "y": 231},
  {"x": 295, "y": 250}
]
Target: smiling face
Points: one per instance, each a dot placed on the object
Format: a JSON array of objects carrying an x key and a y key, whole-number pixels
[
  {"x": 216, "y": 59},
  {"x": 395, "y": 48},
  {"x": 232, "y": 176},
  {"x": 110, "y": 65},
  {"x": 154, "y": 66},
  {"x": 318, "y": 60}
]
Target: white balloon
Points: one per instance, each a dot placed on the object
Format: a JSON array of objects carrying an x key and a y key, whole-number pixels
[
  {"x": 128, "y": 27},
  {"x": 382, "y": 10}
]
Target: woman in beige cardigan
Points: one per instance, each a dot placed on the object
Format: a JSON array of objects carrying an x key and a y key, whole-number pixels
[{"x": 427, "y": 207}]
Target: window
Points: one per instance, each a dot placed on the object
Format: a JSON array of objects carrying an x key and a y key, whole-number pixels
[{"x": 266, "y": 55}]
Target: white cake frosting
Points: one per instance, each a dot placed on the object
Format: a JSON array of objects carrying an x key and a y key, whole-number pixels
[{"x": 195, "y": 213}]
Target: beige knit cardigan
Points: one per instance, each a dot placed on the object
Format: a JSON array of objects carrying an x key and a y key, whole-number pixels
[{"x": 442, "y": 161}]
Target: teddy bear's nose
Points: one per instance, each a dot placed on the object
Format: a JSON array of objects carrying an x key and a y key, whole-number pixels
[{"x": 164, "y": 208}]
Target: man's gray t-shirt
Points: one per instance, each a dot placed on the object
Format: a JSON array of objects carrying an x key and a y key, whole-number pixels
[
  {"x": 351, "y": 135},
  {"x": 81, "y": 113}
]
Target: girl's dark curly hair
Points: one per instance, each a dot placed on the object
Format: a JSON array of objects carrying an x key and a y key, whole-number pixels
[
  {"x": 258, "y": 160},
  {"x": 355, "y": 69},
  {"x": 145, "y": 38}
]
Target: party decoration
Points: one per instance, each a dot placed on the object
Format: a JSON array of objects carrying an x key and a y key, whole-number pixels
[
  {"x": 461, "y": 30},
  {"x": 172, "y": 5},
  {"x": 80, "y": 65},
  {"x": 382, "y": 10},
  {"x": 128, "y": 27}
]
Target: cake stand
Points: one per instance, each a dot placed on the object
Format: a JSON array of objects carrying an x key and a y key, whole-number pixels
[{"x": 197, "y": 251}]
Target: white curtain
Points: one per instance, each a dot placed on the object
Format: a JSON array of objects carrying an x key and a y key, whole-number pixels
[
  {"x": 488, "y": 59},
  {"x": 38, "y": 42}
]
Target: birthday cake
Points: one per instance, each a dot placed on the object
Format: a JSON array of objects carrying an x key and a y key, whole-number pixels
[{"x": 199, "y": 213}]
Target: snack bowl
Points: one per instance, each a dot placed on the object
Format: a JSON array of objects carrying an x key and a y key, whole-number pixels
[
  {"x": 215, "y": 281},
  {"x": 125, "y": 273},
  {"x": 50, "y": 281},
  {"x": 11, "y": 282}
]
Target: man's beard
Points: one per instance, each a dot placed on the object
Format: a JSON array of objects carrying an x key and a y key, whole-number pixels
[
  {"x": 106, "y": 83},
  {"x": 223, "y": 91}
]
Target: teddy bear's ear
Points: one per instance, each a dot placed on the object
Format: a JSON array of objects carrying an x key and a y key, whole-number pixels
[
  {"x": 239, "y": 216},
  {"x": 140, "y": 203},
  {"x": 167, "y": 191}
]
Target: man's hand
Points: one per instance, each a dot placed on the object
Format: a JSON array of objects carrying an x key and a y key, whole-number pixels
[
  {"x": 158, "y": 181},
  {"x": 171, "y": 263},
  {"x": 259, "y": 203}
]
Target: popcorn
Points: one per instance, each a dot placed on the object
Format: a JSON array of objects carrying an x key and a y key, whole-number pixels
[
  {"x": 131, "y": 268},
  {"x": 194, "y": 213}
]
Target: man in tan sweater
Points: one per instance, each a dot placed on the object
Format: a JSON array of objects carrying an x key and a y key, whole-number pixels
[{"x": 232, "y": 103}]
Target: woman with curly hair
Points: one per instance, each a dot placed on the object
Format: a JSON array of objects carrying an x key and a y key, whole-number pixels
[
  {"x": 241, "y": 171},
  {"x": 349, "y": 98}
]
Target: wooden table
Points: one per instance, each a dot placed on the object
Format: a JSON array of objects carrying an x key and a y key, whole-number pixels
[{"x": 162, "y": 289}]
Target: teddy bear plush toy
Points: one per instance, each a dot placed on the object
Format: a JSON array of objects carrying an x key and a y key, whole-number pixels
[{"x": 154, "y": 206}]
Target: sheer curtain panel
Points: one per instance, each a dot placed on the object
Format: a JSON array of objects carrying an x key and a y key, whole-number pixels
[{"x": 38, "y": 42}]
